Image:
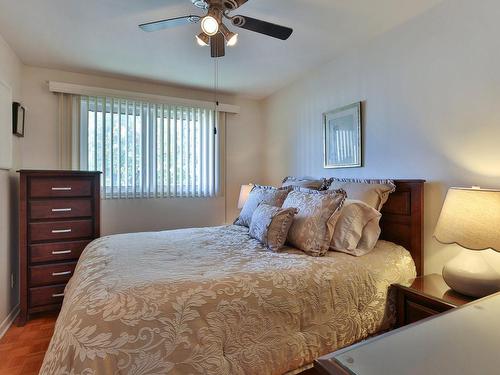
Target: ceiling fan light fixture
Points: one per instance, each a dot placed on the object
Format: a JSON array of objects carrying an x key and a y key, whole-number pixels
[
  {"x": 214, "y": 32},
  {"x": 210, "y": 25},
  {"x": 231, "y": 38},
  {"x": 203, "y": 40}
]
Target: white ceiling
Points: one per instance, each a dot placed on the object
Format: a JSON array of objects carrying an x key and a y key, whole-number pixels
[{"x": 101, "y": 36}]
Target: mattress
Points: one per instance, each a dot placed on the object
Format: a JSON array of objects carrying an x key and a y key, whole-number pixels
[{"x": 215, "y": 301}]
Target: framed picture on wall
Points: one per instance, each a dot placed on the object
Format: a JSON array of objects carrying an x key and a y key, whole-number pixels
[
  {"x": 342, "y": 137},
  {"x": 18, "y": 117}
]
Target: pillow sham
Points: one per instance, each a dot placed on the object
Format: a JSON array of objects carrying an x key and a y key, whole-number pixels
[
  {"x": 373, "y": 192},
  {"x": 270, "y": 225},
  {"x": 370, "y": 237},
  {"x": 306, "y": 182},
  {"x": 313, "y": 226},
  {"x": 357, "y": 228},
  {"x": 261, "y": 194}
]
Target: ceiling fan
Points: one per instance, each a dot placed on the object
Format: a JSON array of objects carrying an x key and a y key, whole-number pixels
[{"x": 214, "y": 32}]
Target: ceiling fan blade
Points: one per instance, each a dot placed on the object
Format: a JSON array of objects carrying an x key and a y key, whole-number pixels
[
  {"x": 169, "y": 23},
  {"x": 233, "y": 4},
  {"x": 262, "y": 27},
  {"x": 218, "y": 45}
]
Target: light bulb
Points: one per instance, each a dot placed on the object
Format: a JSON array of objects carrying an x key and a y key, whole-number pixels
[
  {"x": 232, "y": 40},
  {"x": 202, "y": 39},
  {"x": 209, "y": 25}
]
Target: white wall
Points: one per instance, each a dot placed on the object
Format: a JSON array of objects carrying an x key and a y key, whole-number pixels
[
  {"x": 244, "y": 133},
  {"x": 432, "y": 93},
  {"x": 10, "y": 73}
]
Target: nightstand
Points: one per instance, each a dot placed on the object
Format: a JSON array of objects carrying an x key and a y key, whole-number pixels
[{"x": 426, "y": 296}]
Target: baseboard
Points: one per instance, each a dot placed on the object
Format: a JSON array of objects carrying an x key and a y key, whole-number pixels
[{"x": 7, "y": 322}]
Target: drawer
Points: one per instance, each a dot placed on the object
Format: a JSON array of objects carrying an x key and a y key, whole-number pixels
[
  {"x": 60, "y": 230},
  {"x": 53, "y": 252},
  {"x": 413, "y": 307},
  {"x": 51, "y": 274},
  {"x": 48, "y": 295},
  {"x": 47, "y": 187},
  {"x": 416, "y": 312},
  {"x": 60, "y": 208}
]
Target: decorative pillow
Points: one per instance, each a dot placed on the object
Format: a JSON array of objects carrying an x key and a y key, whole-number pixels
[
  {"x": 373, "y": 192},
  {"x": 370, "y": 237},
  {"x": 261, "y": 194},
  {"x": 357, "y": 228},
  {"x": 270, "y": 225},
  {"x": 306, "y": 182},
  {"x": 313, "y": 226}
]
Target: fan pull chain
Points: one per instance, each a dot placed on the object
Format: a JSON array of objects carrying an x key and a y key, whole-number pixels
[
  {"x": 216, "y": 88},
  {"x": 216, "y": 81}
]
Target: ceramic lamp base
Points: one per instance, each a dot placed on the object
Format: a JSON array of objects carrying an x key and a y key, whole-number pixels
[{"x": 474, "y": 273}]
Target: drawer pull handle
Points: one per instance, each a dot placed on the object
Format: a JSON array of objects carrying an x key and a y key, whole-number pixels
[
  {"x": 61, "y": 273},
  {"x": 61, "y": 252},
  {"x": 61, "y": 210},
  {"x": 61, "y": 231},
  {"x": 61, "y": 189},
  {"x": 57, "y": 295}
]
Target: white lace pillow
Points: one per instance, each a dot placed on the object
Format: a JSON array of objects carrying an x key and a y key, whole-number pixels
[
  {"x": 357, "y": 228},
  {"x": 270, "y": 225},
  {"x": 313, "y": 226},
  {"x": 261, "y": 194}
]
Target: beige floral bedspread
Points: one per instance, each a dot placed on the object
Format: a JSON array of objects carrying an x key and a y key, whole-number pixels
[{"x": 214, "y": 301}]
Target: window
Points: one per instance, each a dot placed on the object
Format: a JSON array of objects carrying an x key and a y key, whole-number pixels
[{"x": 148, "y": 150}]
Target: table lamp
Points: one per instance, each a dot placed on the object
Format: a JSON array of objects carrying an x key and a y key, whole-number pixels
[
  {"x": 244, "y": 193},
  {"x": 470, "y": 218}
]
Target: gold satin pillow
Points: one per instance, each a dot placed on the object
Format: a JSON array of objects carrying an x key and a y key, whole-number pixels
[
  {"x": 373, "y": 192},
  {"x": 357, "y": 229}
]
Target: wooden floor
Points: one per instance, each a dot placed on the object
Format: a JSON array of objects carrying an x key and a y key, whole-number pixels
[{"x": 22, "y": 348}]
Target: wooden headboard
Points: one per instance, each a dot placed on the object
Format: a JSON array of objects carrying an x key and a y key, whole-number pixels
[{"x": 402, "y": 219}]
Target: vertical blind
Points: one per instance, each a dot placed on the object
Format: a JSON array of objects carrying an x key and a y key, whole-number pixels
[{"x": 148, "y": 150}]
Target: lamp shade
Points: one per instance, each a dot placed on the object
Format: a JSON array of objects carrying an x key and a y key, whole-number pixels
[
  {"x": 244, "y": 193},
  {"x": 471, "y": 219}
]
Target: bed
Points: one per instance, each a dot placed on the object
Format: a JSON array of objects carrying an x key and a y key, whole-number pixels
[{"x": 215, "y": 301}]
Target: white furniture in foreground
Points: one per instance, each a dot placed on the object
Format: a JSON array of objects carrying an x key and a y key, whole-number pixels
[{"x": 462, "y": 341}]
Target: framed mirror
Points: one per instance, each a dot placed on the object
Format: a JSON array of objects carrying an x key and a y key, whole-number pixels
[{"x": 342, "y": 137}]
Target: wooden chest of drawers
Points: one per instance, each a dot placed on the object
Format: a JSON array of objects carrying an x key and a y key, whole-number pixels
[{"x": 59, "y": 216}]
